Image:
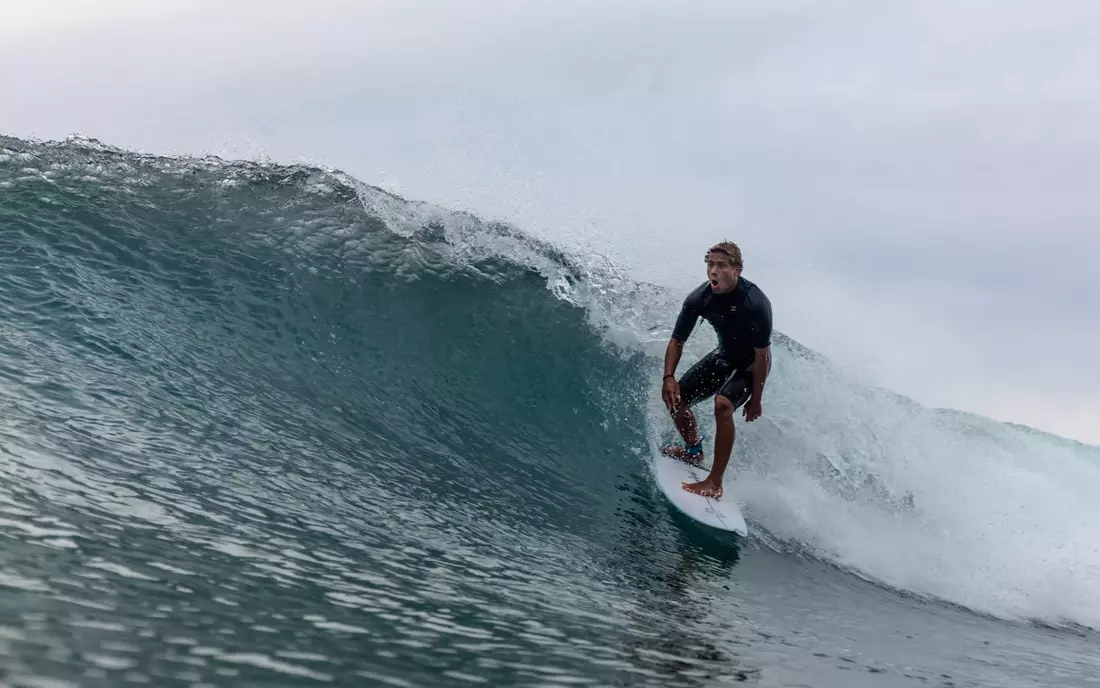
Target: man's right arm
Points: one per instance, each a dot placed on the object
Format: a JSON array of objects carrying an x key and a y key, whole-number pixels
[
  {"x": 673, "y": 352},
  {"x": 685, "y": 323}
]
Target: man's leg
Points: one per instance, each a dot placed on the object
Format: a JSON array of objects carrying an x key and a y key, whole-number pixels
[
  {"x": 689, "y": 430},
  {"x": 734, "y": 392},
  {"x": 699, "y": 382},
  {"x": 686, "y": 424},
  {"x": 724, "y": 433}
]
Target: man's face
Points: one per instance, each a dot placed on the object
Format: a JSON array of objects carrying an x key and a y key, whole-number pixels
[{"x": 721, "y": 272}]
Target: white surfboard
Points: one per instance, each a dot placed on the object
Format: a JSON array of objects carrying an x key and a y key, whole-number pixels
[{"x": 722, "y": 513}]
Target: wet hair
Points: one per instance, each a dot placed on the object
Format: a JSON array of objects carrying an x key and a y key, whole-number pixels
[{"x": 730, "y": 249}]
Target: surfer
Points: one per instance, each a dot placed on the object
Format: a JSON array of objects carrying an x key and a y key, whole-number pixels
[{"x": 733, "y": 373}]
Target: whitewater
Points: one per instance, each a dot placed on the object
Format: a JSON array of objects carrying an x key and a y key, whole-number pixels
[{"x": 272, "y": 425}]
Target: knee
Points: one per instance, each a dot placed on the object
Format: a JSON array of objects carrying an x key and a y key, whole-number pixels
[{"x": 723, "y": 407}]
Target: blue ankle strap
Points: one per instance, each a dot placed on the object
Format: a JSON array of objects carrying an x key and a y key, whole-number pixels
[{"x": 693, "y": 449}]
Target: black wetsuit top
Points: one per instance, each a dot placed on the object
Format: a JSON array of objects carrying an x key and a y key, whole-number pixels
[{"x": 741, "y": 318}]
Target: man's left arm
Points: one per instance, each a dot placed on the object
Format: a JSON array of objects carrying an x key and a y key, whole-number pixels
[{"x": 762, "y": 364}]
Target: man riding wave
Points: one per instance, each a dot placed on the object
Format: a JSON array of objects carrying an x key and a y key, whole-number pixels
[{"x": 733, "y": 373}]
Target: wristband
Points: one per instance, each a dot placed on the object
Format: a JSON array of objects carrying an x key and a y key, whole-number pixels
[{"x": 667, "y": 376}]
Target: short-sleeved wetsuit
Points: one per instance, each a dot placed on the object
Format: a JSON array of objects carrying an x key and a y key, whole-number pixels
[{"x": 742, "y": 319}]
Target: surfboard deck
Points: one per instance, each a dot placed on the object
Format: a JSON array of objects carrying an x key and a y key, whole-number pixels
[{"x": 724, "y": 513}]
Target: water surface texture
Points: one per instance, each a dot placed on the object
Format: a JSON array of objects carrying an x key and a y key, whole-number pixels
[{"x": 271, "y": 426}]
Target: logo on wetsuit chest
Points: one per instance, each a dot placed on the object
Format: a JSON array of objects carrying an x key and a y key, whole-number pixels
[{"x": 733, "y": 309}]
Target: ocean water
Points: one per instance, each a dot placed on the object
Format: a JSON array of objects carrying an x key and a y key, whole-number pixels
[{"x": 267, "y": 425}]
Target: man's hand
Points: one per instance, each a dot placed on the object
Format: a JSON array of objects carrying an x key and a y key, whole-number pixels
[
  {"x": 752, "y": 410},
  {"x": 670, "y": 392},
  {"x": 670, "y": 388}
]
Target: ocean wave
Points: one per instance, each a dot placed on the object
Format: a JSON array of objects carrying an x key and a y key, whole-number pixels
[{"x": 203, "y": 305}]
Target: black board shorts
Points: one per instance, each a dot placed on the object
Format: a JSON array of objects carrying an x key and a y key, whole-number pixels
[{"x": 713, "y": 375}]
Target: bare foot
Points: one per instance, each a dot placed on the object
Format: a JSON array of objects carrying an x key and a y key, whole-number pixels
[
  {"x": 676, "y": 451},
  {"x": 706, "y": 488}
]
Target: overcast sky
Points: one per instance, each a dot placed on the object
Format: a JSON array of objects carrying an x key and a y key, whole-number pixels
[{"x": 913, "y": 184}]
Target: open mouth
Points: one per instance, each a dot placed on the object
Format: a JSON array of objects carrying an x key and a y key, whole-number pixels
[{"x": 714, "y": 283}]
